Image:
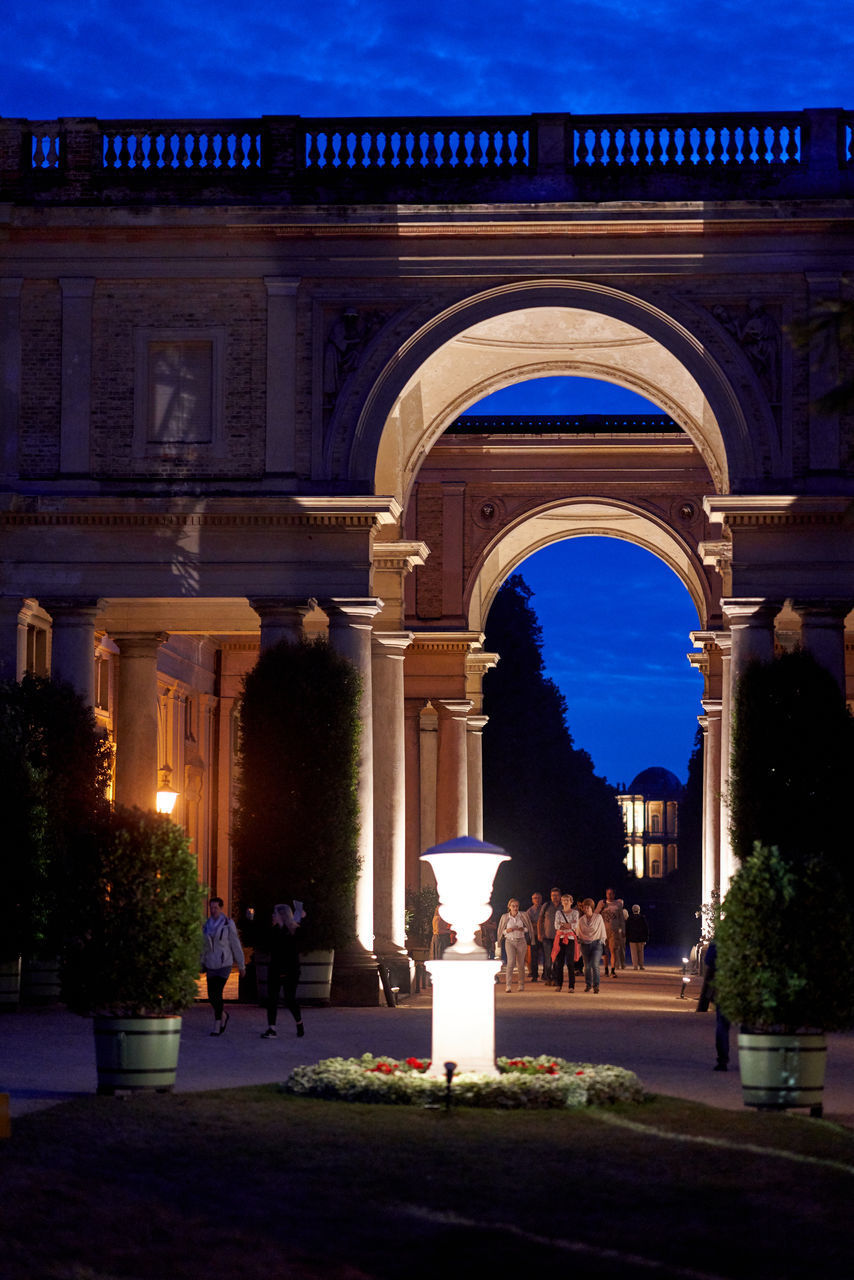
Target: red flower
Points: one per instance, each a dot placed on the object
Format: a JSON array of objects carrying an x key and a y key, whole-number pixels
[
  {"x": 579, "y": 1073},
  {"x": 417, "y": 1064}
]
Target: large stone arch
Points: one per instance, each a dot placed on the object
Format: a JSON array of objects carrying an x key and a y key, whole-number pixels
[
  {"x": 583, "y": 517},
  {"x": 386, "y": 424}
]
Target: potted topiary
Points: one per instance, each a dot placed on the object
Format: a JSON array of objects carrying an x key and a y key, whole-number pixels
[
  {"x": 297, "y": 817},
  {"x": 776, "y": 979},
  {"x": 132, "y": 947},
  {"x": 792, "y": 760}
]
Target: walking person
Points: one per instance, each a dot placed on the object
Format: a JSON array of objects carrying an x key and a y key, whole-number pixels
[
  {"x": 591, "y": 937},
  {"x": 283, "y": 973},
  {"x": 221, "y": 950},
  {"x": 532, "y": 913},
  {"x": 546, "y": 932},
  {"x": 637, "y": 936},
  {"x": 514, "y": 930},
  {"x": 614, "y": 915},
  {"x": 708, "y": 996},
  {"x": 565, "y": 943}
]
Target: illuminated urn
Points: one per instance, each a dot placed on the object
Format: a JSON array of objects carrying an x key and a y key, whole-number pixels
[{"x": 464, "y": 979}]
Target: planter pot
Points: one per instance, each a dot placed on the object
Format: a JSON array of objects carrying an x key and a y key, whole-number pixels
[
  {"x": 40, "y": 982},
  {"x": 314, "y": 982},
  {"x": 10, "y": 982},
  {"x": 780, "y": 1071},
  {"x": 136, "y": 1053}
]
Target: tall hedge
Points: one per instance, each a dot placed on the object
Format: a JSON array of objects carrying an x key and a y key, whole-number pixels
[
  {"x": 297, "y": 822},
  {"x": 54, "y": 773},
  {"x": 792, "y": 762}
]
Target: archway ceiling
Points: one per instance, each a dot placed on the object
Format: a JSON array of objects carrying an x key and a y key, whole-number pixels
[
  {"x": 538, "y": 342},
  {"x": 583, "y": 519}
]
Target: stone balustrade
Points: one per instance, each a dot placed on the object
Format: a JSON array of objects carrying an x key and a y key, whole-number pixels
[{"x": 295, "y": 160}]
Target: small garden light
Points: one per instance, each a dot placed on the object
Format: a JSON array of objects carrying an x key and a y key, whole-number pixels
[
  {"x": 685, "y": 978},
  {"x": 450, "y": 1068}
]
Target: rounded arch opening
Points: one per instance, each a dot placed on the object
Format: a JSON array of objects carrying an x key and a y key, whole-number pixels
[
  {"x": 578, "y": 518},
  {"x": 525, "y": 331}
]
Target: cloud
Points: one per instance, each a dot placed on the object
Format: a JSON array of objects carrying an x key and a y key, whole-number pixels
[{"x": 395, "y": 58}]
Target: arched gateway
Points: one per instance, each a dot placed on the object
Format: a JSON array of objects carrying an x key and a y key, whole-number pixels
[{"x": 236, "y": 362}]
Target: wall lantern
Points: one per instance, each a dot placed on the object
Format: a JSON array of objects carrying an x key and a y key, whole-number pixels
[
  {"x": 166, "y": 793},
  {"x": 464, "y": 979}
]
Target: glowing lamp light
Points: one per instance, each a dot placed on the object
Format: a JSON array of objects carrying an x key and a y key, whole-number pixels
[
  {"x": 464, "y": 979},
  {"x": 465, "y": 869},
  {"x": 166, "y": 793}
]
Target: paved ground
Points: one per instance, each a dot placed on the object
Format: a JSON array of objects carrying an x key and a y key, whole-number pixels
[{"x": 637, "y": 1021}]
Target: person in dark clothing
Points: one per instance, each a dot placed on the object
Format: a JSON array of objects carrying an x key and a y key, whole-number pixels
[
  {"x": 707, "y": 997},
  {"x": 284, "y": 967},
  {"x": 637, "y": 936}
]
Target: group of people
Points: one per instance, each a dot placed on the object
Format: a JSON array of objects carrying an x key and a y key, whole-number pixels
[
  {"x": 222, "y": 950},
  {"x": 560, "y": 937}
]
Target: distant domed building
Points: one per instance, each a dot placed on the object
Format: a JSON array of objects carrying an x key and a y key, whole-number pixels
[{"x": 651, "y": 819}]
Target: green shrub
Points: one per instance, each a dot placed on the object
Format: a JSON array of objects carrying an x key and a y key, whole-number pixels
[
  {"x": 785, "y": 946},
  {"x": 134, "y": 921},
  {"x": 54, "y": 772},
  {"x": 297, "y": 817}
]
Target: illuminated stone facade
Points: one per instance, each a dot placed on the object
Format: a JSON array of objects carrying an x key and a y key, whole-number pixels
[
  {"x": 233, "y": 356},
  {"x": 651, "y": 821}
]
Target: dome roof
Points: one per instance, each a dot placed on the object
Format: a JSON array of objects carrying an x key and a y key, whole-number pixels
[{"x": 656, "y": 783}]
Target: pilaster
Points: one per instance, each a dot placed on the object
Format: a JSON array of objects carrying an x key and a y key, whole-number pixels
[{"x": 388, "y": 650}]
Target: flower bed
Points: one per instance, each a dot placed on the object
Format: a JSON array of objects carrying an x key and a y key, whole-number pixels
[{"x": 522, "y": 1082}]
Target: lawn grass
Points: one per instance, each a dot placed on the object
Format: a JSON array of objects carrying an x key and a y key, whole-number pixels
[{"x": 252, "y": 1183}]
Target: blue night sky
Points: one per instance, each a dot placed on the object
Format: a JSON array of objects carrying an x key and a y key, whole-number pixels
[{"x": 633, "y": 699}]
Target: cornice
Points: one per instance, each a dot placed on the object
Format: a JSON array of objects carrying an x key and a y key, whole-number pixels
[
  {"x": 349, "y": 514},
  {"x": 745, "y": 511}
]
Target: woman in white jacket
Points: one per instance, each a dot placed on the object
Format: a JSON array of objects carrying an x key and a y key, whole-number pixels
[
  {"x": 591, "y": 936},
  {"x": 221, "y": 950},
  {"x": 515, "y": 929}
]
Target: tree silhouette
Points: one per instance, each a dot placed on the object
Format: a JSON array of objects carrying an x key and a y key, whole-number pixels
[{"x": 543, "y": 802}]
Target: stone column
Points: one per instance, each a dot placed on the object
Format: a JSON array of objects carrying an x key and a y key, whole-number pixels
[
  {"x": 452, "y": 814},
  {"x": 13, "y": 645},
  {"x": 429, "y": 756},
  {"x": 350, "y": 623},
  {"x": 136, "y": 718},
  {"x": 388, "y": 649},
  {"x": 726, "y": 861},
  {"x": 412, "y": 745},
  {"x": 823, "y": 633},
  {"x": 711, "y": 723},
  {"x": 72, "y": 648},
  {"x": 281, "y": 617},
  {"x": 474, "y": 754}
]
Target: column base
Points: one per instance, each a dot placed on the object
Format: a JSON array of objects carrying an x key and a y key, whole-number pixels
[{"x": 356, "y": 980}]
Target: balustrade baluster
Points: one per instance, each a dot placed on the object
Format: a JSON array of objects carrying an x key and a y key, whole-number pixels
[
  {"x": 596, "y": 151},
  {"x": 337, "y": 146},
  {"x": 775, "y": 144},
  {"x": 428, "y": 149},
  {"x": 395, "y": 143}
]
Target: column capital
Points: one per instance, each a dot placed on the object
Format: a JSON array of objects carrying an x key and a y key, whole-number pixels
[
  {"x": 455, "y": 708},
  {"x": 750, "y": 611},
  {"x": 391, "y": 644},
  {"x": 66, "y": 606},
  {"x": 134, "y": 644},
  {"x": 713, "y": 707},
  {"x": 354, "y": 611},
  {"x": 476, "y": 724},
  {"x": 833, "y": 610}
]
